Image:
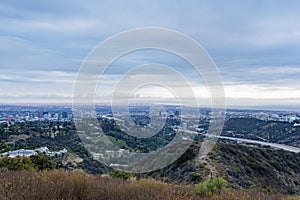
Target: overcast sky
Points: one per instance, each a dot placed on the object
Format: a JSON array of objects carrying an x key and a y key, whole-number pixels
[{"x": 255, "y": 44}]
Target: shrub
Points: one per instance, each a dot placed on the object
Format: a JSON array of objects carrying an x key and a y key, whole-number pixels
[
  {"x": 220, "y": 184},
  {"x": 211, "y": 186},
  {"x": 201, "y": 189},
  {"x": 196, "y": 176},
  {"x": 121, "y": 174},
  {"x": 56, "y": 184}
]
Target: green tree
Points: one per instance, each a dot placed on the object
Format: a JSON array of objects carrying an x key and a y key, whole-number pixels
[
  {"x": 4, "y": 147},
  {"x": 18, "y": 163},
  {"x": 42, "y": 162},
  {"x": 34, "y": 162}
]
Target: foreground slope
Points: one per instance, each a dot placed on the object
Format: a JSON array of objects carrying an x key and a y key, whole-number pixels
[
  {"x": 21, "y": 185},
  {"x": 243, "y": 166}
]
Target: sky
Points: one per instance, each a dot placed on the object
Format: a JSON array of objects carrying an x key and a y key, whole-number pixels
[{"x": 255, "y": 45}]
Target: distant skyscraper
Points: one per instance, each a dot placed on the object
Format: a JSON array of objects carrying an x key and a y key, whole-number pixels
[
  {"x": 64, "y": 115},
  {"x": 184, "y": 126}
]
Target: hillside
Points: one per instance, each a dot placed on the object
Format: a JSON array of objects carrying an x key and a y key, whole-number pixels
[
  {"x": 271, "y": 131},
  {"x": 54, "y": 135},
  {"x": 242, "y": 166}
]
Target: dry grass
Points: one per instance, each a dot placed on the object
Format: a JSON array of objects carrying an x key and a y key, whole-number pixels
[{"x": 78, "y": 185}]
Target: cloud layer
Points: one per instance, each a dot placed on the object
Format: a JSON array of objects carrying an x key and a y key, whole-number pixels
[{"x": 255, "y": 44}]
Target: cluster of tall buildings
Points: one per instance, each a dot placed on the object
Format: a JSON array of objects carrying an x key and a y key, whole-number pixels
[{"x": 22, "y": 114}]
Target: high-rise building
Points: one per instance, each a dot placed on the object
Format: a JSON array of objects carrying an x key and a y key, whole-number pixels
[{"x": 64, "y": 115}]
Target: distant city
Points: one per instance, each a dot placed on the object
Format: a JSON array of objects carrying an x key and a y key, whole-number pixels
[{"x": 22, "y": 113}]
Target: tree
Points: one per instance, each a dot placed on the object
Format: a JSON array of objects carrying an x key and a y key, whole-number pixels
[
  {"x": 42, "y": 162},
  {"x": 34, "y": 162},
  {"x": 4, "y": 147},
  {"x": 18, "y": 163}
]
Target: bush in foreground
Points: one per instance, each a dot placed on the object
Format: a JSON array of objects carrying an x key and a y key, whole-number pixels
[
  {"x": 78, "y": 185},
  {"x": 211, "y": 186}
]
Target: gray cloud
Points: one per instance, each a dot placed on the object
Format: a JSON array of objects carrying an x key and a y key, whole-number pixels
[{"x": 44, "y": 42}]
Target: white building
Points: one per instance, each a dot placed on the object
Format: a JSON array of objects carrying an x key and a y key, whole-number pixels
[{"x": 20, "y": 153}]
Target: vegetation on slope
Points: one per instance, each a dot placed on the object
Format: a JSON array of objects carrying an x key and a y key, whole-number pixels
[
  {"x": 34, "y": 162},
  {"x": 271, "y": 131},
  {"x": 243, "y": 166},
  {"x": 55, "y": 184},
  {"x": 246, "y": 167},
  {"x": 54, "y": 135}
]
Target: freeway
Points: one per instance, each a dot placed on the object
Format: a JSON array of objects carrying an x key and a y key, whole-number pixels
[{"x": 274, "y": 145}]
